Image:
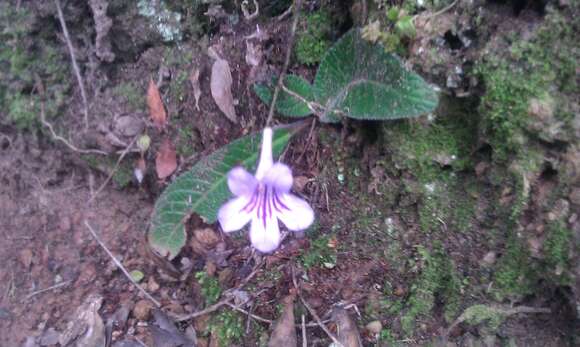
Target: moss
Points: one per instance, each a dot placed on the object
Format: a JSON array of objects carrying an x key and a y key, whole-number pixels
[
  {"x": 478, "y": 314},
  {"x": 542, "y": 68},
  {"x": 228, "y": 327},
  {"x": 437, "y": 280},
  {"x": 313, "y": 37},
  {"x": 122, "y": 176},
  {"x": 210, "y": 287},
  {"x": 557, "y": 250},
  {"x": 25, "y": 61},
  {"x": 131, "y": 94},
  {"x": 515, "y": 276},
  {"x": 321, "y": 253}
]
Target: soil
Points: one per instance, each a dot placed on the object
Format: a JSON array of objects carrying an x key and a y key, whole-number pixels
[{"x": 51, "y": 263}]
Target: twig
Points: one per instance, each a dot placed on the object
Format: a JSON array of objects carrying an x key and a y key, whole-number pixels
[
  {"x": 120, "y": 266},
  {"x": 285, "y": 14},
  {"x": 56, "y": 286},
  {"x": 225, "y": 301},
  {"x": 57, "y": 137},
  {"x": 433, "y": 15},
  {"x": 249, "y": 314},
  {"x": 74, "y": 62},
  {"x": 304, "y": 342},
  {"x": 296, "y": 6},
  {"x": 313, "y": 313},
  {"x": 207, "y": 310},
  {"x": 93, "y": 196}
]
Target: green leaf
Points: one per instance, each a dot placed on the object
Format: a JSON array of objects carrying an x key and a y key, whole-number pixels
[
  {"x": 203, "y": 189},
  {"x": 360, "y": 80},
  {"x": 288, "y": 105}
]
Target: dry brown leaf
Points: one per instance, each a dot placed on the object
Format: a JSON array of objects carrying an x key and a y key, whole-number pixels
[
  {"x": 166, "y": 160},
  {"x": 156, "y": 109},
  {"x": 194, "y": 80},
  {"x": 347, "y": 331},
  {"x": 221, "y": 88},
  {"x": 284, "y": 333}
]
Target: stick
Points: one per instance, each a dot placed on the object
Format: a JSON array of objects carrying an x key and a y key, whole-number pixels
[
  {"x": 74, "y": 62},
  {"x": 304, "y": 341},
  {"x": 120, "y": 266},
  {"x": 57, "y": 137},
  {"x": 296, "y": 7},
  {"x": 225, "y": 301},
  {"x": 313, "y": 313},
  {"x": 56, "y": 286},
  {"x": 93, "y": 196}
]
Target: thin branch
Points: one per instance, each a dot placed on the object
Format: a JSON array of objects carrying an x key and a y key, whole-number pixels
[
  {"x": 74, "y": 62},
  {"x": 120, "y": 266},
  {"x": 56, "y": 286},
  {"x": 225, "y": 301},
  {"x": 313, "y": 313},
  {"x": 304, "y": 341},
  {"x": 296, "y": 6},
  {"x": 93, "y": 196},
  {"x": 256, "y": 317},
  {"x": 57, "y": 137},
  {"x": 207, "y": 310}
]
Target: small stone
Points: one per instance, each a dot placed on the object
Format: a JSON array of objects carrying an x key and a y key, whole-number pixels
[
  {"x": 575, "y": 196},
  {"x": 374, "y": 327},
  {"x": 26, "y": 256},
  {"x": 152, "y": 284},
  {"x": 399, "y": 291},
  {"x": 49, "y": 338},
  {"x": 206, "y": 237},
  {"x": 142, "y": 310},
  {"x": 489, "y": 258}
]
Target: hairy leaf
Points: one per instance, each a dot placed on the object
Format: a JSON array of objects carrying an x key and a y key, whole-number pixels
[
  {"x": 203, "y": 189},
  {"x": 288, "y": 105},
  {"x": 356, "y": 79},
  {"x": 361, "y": 80}
]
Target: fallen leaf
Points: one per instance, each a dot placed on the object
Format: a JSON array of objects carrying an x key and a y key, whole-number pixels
[
  {"x": 284, "y": 333},
  {"x": 347, "y": 332},
  {"x": 166, "y": 161},
  {"x": 221, "y": 88},
  {"x": 166, "y": 334},
  {"x": 86, "y": 328},
  {"x": 194, "y": 80},
  {"x": 253, "y": 54},
  {"x": 156, "y": 109}
]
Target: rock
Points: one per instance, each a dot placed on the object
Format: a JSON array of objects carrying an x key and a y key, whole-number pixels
[
  {"x": 152, "y": 284},
  {"x": 489, "y": 258},
  {"x": 142, "y": 310},
  {"x": 49, "y": 338},
  {"x": 374, "y": 327},
  {"x": 575, "y": 196},
  {"x": 128, "y": 126},
  {"x": 207, "y": 237}
]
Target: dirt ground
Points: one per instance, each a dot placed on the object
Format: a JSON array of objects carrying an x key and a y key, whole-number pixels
[{"x": 368, "y": 251}]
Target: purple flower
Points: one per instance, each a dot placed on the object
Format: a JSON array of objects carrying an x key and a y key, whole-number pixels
[{"x": 263, "y": 199}]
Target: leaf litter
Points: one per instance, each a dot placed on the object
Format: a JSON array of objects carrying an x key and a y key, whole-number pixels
[
  {"x": 155, "y": 104},
  {"x": 221, "y": 86},
  {"x": 166, "y": 160}
]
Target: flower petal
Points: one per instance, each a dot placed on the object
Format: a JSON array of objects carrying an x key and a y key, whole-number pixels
[
  {"x": 266, "y": 160},
  {"x": 241, "y": 182},
  {"x": 294, "y": 212},
  {"x": 232, "y": 215},
  {"x": 265, "y": 236},
  {"x": 279, "y": 177}
]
